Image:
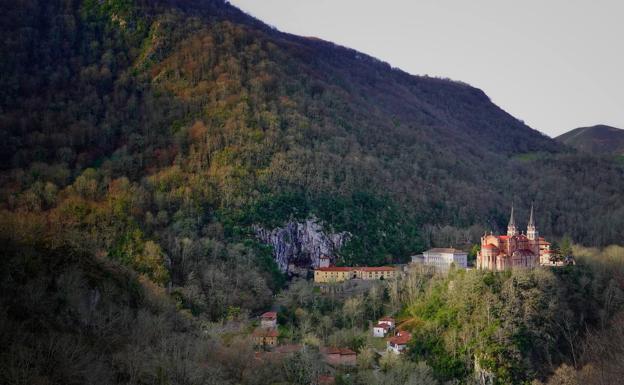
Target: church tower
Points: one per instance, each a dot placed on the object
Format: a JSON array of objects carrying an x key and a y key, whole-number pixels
[
  {"x": 511, "y": 227},
  {"x": 532, "y": 233}
]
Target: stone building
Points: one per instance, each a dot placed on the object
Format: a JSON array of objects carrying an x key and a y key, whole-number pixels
[
  {"x": 514, "y": 250},
  {"x": 443, "y": 258},
  {"x": 333, "y": 274}
]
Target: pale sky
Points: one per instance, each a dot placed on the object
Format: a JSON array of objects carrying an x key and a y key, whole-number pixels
[{"x": 556, "y": 64}]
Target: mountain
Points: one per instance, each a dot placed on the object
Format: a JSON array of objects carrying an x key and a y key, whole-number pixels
[
  {"x": 226, "y": 117},
  {"x": 150, "y": 147},
  {"x": 597, "y": 140},
  {"x": 148, "y": 130}
]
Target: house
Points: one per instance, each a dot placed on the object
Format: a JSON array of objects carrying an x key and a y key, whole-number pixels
[
  {"x": 334, "y": 274},
  {"x": 326, "y": 380},
  {"x": 443, "y": 258},
  {"x": 339, "y": 356},
  {"x": 324, "y": 261},
  {"x": 380, "y": 330},
  {"x": 266, "y": 338},
  {"x": 384, "y": 325},
  {"x": 398, "y": 343},
  {"x": 387, "y": 321},
  {"x": 268, "y": 320}
]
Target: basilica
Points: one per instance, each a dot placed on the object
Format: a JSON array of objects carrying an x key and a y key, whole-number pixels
[{"x": 514, "y": 250}]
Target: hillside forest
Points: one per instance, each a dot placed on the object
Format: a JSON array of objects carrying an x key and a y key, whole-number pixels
[{"x": 142, "y": 141}]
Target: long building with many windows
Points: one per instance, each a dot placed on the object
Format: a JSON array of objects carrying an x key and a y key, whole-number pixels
[{"x": 332, "y": 274}]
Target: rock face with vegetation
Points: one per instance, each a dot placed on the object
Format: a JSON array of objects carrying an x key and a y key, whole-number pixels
[{"x": 302, "y": 244}]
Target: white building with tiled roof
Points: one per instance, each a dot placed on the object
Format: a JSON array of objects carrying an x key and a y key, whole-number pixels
[{"x": 445, "y": 257}]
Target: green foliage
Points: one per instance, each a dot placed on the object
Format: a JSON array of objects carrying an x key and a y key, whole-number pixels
[
  {"x": 511, "y": 322},
  {"x": 152, "y": 136}
]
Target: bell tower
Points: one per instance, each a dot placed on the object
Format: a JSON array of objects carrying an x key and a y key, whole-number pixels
[
  {"x": 511, "y": 227},
  {"x": 532, "y": 233}
]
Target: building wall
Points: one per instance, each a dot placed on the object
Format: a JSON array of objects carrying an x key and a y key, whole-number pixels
[
  {"x": 504, "y": 256},
  {"x": 444, "y": 260},
  {"x": 379, "y": 332},
  {"x": 332, "y": 276},
  {"x": 321, "y": 276},
  {"x": 265, "y": 341},
  {"x": 268, "y": 323}
]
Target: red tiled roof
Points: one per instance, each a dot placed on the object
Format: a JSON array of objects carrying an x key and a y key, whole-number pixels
[
  {"x": 402, "y": 338},
  {"x": 335, "y": 268},
  {"x": 384, "y": 326},
  {"x": 326, "y": 380},
  {"x": 503, "y": 237},
  {"x": 489, "y": 246},
  {"x": 341, "y": 351},
  {"x": 359, "y": 268},
  {"x": 380, "y": 268},
  {"x": 269, "y": 315}
]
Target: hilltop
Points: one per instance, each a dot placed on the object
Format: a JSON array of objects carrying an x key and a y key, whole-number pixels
[{"x": 597, "y": 140}]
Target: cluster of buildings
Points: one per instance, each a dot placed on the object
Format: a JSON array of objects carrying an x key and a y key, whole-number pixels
[
  {"x": 266, "y": 335},
  {"x": 498, "y": 252},
  {"x": 398, "y": 341}
]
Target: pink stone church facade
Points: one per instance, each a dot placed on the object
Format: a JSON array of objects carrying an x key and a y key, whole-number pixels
[{"x": 514, "y": 250}]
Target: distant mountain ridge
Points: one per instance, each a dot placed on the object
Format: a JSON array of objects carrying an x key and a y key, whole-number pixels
[{"x": 597, "y": 140}]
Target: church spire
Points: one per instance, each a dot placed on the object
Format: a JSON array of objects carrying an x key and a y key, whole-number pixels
[
  {"x": 511, "y": 227},
  {"x": 532, "y": 233}
]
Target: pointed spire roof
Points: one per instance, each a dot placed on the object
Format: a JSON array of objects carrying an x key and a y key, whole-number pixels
[
  {"x": 531, "y": 222},
  {"x": 512, "y": 222}
]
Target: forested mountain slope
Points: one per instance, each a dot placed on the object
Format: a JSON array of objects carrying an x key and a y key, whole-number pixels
[
  {"x": 157, "y": 132},
  {"x": 142, "y": 140},
  {"x": 597, "y": 140}
]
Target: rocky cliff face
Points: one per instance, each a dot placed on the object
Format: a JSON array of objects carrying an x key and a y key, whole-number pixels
[{"x": 300, "y": 244}]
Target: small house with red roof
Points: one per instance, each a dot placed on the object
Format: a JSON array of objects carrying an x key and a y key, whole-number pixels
[
  {"x": 398, "y": 343},
  {"x": 268, "y": 320},
  {"x": 339, "y": 356},
  {"x": 387, "y": 321},
  {"x": 380, "y": 330},
  {"x": 383, "y": 326}
]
